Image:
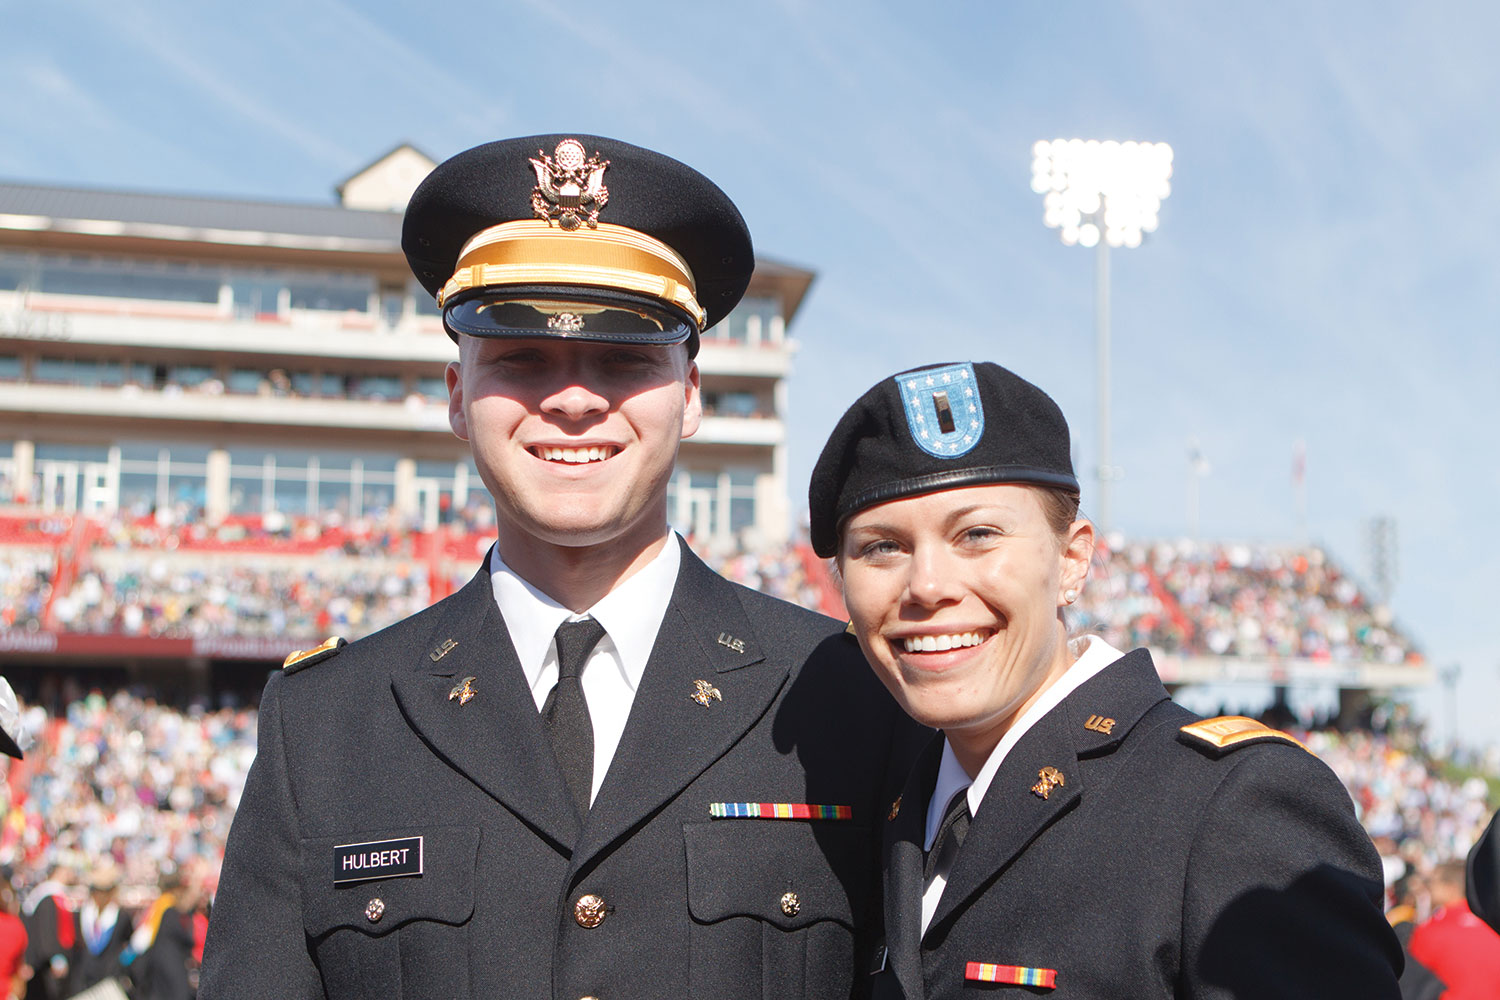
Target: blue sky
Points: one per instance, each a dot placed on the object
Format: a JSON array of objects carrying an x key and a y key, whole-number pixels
[{"x": 1323, "y": 269}]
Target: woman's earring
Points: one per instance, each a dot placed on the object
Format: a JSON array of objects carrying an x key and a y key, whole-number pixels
[{"x": 1070, "y": 596}]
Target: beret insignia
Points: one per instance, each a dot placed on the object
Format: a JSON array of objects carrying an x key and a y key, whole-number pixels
[{"x": 943, "y": 411}]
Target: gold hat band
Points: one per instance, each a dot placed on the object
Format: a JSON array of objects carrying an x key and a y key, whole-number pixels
[{"x": 531, "y": 252}]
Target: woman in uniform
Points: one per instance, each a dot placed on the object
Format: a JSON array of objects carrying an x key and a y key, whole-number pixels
[{"x": 1069, "y": 831}]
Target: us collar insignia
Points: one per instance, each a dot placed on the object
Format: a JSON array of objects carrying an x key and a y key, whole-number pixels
[
  {"x": 704, "y": 693},
  {"x": 464, "y": 691},
  {"x": 943, "y": 410},
  {"x": 448, "y": 645},
  {"x": 1100, "y": 724},
  {"x": 570, "y": 187},
  {"x": 1051, "y": 778}
]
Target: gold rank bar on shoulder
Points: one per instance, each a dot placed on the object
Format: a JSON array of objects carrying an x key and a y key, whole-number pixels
[
  {"x": 1227, "y": 731},
  {"x": 307, "y": 657}
]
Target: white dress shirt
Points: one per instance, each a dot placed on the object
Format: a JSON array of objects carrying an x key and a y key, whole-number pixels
[
  {"x": 631, "y": 615},
  {"x": 1093, "y": 655}
]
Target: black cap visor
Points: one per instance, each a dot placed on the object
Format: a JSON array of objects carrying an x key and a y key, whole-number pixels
[{"x": 599, "y": 315}]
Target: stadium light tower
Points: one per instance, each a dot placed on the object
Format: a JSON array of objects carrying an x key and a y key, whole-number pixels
[{"x": 1104, "y": 194}]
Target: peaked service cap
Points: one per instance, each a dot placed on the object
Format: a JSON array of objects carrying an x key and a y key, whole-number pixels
[
  {"x": 935, "y": 428},
  {"x": 580, "y": 236}
]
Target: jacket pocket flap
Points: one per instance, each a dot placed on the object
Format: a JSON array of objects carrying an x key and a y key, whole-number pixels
[
  {"x": 786, "y": 872},
  {"x": 443, "y": 891}
]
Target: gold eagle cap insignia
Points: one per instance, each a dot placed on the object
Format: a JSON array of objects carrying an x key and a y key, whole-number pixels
[
  {"x": 704, "y": 692},
  {"x": 570, "y": 187}
]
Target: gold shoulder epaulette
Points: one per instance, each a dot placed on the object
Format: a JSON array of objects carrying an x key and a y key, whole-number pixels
[
  {"x": 303, "y": 658},
  {"x": 1230, "y": 731}
]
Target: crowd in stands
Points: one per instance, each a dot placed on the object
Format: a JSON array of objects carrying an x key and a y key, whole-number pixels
[
  {"x": 1238, "y": 600},
  {"x": 120, "y": 809},
  {"x": 175, "y": 575}
]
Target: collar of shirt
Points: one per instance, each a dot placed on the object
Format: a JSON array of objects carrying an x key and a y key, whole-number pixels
[
  {"x": 1094, "y": 654},
  {"x": 631, "y": 615}
]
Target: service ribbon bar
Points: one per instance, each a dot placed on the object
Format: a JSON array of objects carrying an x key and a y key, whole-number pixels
[
  {"x": 1014, "y": 975},
  {"x": 777, "y": 810}
]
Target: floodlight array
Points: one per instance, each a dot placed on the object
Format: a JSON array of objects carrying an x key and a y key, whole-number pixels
[{"x": 1109, "y": 190}]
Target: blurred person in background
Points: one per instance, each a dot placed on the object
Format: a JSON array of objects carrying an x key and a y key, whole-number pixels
[
  {"x": 1417, "y": 981},
  {"x": 52, "y": 926},
  {"x": 14, "y": 972},
  {"x": 1460, "y": 949},
  {"x": 101, "y": 949},
  {"x": 1070, "y": 828},
  {"x": 169, "y": 963}
]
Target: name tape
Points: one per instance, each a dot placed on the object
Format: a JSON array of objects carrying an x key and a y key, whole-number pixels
[{"x": 377, "y": 859}]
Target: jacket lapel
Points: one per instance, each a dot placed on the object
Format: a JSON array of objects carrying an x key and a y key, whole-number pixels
[
  {"x": 904, "y": 840},
  {"x": 1011, "y": 814},
  {"x": 494, "y": 738},
  {"x": 1090, "y": 723},
  {"x": 670, "y": 738}
]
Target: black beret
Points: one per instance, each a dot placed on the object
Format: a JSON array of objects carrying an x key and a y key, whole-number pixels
[
  {"x": 615, "y": 184},
  {"x": 935, "y": 428}
]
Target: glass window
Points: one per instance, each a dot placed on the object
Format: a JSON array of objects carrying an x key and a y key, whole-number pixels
[
  {"x": 246, "y": 382},
  {"x": 310, "y": 384},
  {"x": 187, "y": 489},
  {"x": 334, "y": 495},
  {"x": 422, "y": 303},
  {"x": 247, "y": 460},
  {"x": 256, "y": 296},
  {"x": 72, "y": 452},
  {"x": 191, "y": 453},
  {"x": 741, "y": 513},
  {"x": 188, "y": 376},
  {"x": 246, "y": 494},
  {"x": 731, "y": 404},
  {"x": 432, "y": 388},
  {"x": 332, "y": 294},
  {"x": 376, "y": 387},
  {"x": 58, "y": 370},
  {"x": 138, "y": 492},
  {"x": 14, "y": 270},
  {"x": 163, "y": 280},
  {"x": 379, "y": 465},
  {"x": 10, "y": 368},
  {"x": 141, "y": 451},
  {"x": 291, "y": 490}
]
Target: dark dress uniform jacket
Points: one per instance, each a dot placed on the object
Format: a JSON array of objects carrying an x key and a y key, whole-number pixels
[
  {"x": 368, "y": 746},
  {"x": 1161, "y": 868},
  {"x": 1484, "y": 875}
]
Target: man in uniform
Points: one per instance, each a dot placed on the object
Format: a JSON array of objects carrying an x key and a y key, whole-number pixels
[{"x": 598, "y": 770}]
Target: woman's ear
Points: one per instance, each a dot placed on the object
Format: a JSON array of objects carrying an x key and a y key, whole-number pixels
[{"x": 1077, "y": 554}]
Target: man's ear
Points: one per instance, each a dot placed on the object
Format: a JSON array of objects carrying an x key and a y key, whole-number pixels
[
  {"x": 692, "y": 414},
  {"x": 454, "y": 377}
]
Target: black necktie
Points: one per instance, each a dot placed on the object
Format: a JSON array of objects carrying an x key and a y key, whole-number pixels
[
  {"x": 566, "y": 713},
  {"x": 950, "y": 835}
]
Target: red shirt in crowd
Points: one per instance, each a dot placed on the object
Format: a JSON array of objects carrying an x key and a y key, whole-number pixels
[
  {"x": 1462, "y": 951},
  {"x": 12, "y": 948}
]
